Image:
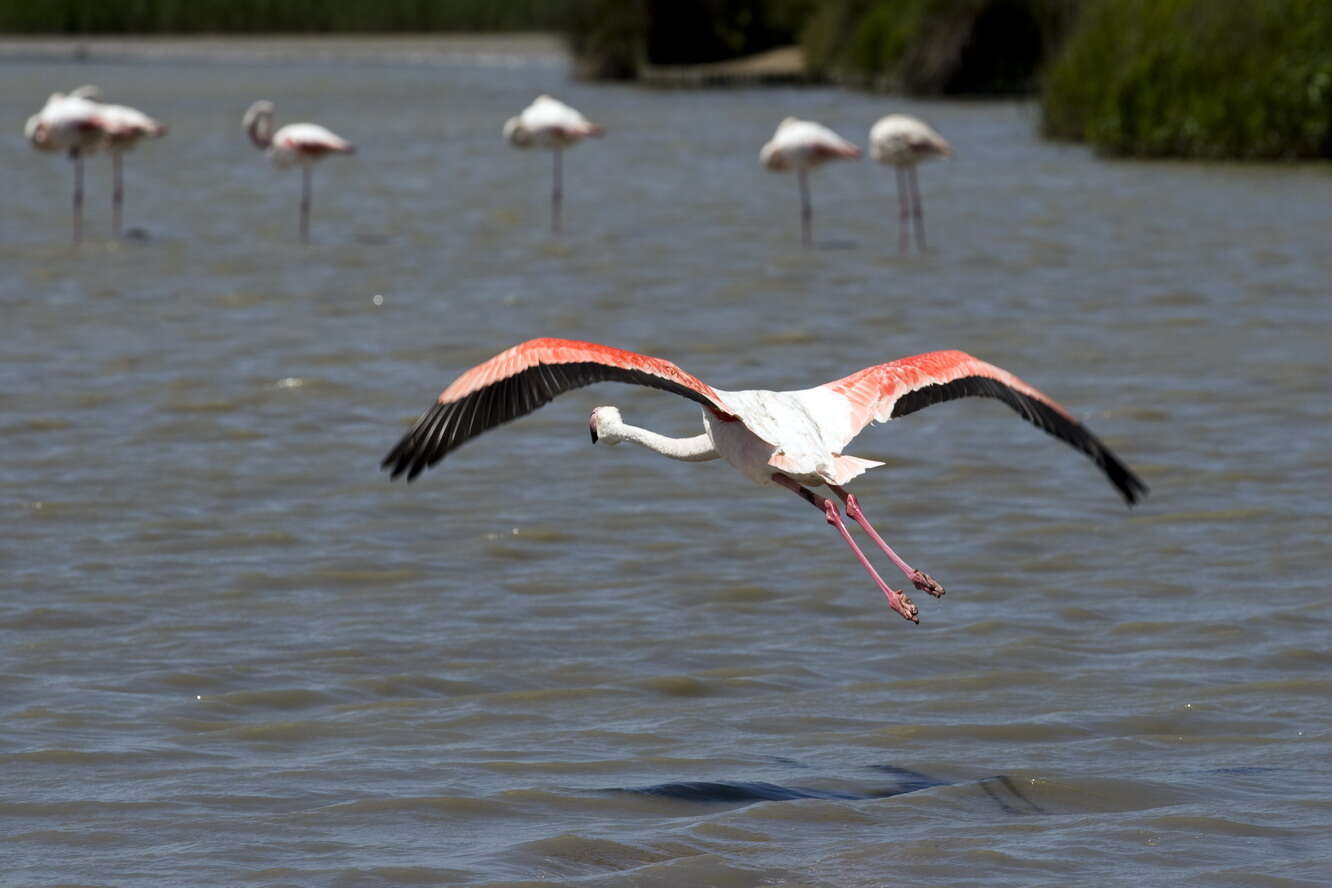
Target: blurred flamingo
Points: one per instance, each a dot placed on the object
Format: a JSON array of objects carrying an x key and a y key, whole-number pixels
[
  {"x": 903, "y": 141},
  {"x": 122, "y": 128},
  {"x": 302, "y": 143},
  {"x": 70, "y": 123},
  {"x": 549, "y": 123},
  {"x": 801, "y": 145}
]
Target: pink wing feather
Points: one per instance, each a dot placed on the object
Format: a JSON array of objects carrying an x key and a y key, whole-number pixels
[
  {"x": 533, "y": 352},
  {"x": 875, "y": 391},
  {"x": 519, "y": 380},
  {"x": 887, "y": 391}
]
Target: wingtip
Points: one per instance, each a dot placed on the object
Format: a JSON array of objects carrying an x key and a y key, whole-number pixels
[{"x": 1132, "y": 488}]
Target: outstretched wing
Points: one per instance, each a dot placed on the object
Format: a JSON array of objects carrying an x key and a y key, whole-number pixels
[
  {"x": 519, "y": 380},
  {"x": 887, "y": 391}
]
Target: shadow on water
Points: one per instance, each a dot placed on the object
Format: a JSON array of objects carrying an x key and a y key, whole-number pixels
[
  {"x": 1005, "y": 793},
  {"x": 999, "y": 789}
]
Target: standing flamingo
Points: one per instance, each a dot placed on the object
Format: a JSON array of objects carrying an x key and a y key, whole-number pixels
[
  {"x": 788, "y": 439},
  {"x": 122, "y": 129},
  {"x": 302, "y": 143},
  {"x": 70, "y": 123},
  {"x": 903, "y": 141},
  {"x": 801, "y": 145},
  {"x": 549, "y": 123}
]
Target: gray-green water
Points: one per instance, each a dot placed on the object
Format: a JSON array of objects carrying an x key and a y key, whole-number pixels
[{"x": 232, "y": 653}]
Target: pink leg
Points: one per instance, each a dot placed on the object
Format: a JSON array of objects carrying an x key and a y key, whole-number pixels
[
  {"x": 917, "y": 209},
  {"x": 77, "y": 156},
  {"x": 922, "y": 581},
  {"x": 896, "y": 600},
  {"x": 117, "y": 193},
  {"x": 903, "y": 212},
  {"x": 806, "y": 210}
]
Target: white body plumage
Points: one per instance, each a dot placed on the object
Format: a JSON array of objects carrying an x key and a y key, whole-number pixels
[
  {"x": 548, "y": 123},
  {"x": 302, "y": 143},
  {"x": 802, "y": 145},
  {"x": 902, "y": 140},
  {"x": 800, "y": 433},
  {"x": 65, "y": 123}
]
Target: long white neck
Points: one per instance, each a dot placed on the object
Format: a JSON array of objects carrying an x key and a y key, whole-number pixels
[{"x": 695, "y": 449}]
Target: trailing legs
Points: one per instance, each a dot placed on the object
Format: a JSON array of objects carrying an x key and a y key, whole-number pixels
[
  {"x": 922, "y": 581},
  {"x": 898, "y": 601}
]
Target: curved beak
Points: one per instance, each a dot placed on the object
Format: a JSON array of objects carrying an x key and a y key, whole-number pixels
[{"x": 593, "y": 430}]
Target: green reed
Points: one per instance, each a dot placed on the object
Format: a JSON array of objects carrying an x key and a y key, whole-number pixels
[{"x": 1244, "y": 79}]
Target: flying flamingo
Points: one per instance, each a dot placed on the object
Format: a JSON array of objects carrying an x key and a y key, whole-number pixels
[
  {"x": 70, "y": 123},
  {"x": 302, "y": 143},
  {"x": 122, "y": 129},
  {"x": 801, "y": 145},
  {"x": 549, "y": 123},
  {"x": 788, "y": 439},
  {"x": 903, "y": 141}
]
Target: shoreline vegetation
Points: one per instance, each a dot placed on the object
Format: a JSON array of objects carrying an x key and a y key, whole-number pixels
[
  {"x": 177, "y": 17},
  {"x": 1211, "y": 79}
]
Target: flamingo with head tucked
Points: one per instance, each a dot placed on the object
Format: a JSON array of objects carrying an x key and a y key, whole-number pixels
[
  {"x": 300, "y": 143},
  {"x": 790, "y": 439},
  {"x": 801, "y": 145},
  {"x": 70, "y": 123},
  {"x": 122, "y": 128},
  {"x": 551, "y": 124},
  {"x": 903, "y": 142}
]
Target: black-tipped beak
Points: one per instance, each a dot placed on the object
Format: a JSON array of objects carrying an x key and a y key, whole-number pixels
[{"x": 593, "y": 430}]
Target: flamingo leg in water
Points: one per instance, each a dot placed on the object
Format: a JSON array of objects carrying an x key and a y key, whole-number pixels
[
  {"x": 922, "y": 581},
  {"x": 77, "y": 156},
  {"x": 557, "y": 190},
  {"x": 917, "y": 209},
  {"x": 307, "y": 172},
  {"x": 117, "y": 193},
  {"x": 903, "y": 212},
  {"x": 806, "y": 209},
  {"x": 896, "y": 600}
]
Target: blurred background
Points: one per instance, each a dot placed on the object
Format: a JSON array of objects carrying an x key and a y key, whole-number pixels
[{"x": 1247, "y": 79}]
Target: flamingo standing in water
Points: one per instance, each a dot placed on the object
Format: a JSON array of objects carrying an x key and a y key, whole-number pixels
[
  {"x": 302, "y": 143},
  {"x": 549, "y": 123},
  {"x": 903, "y": 141},
  {"x": 801, "y": 145},
  {"x": 70, "y": 123},
  {"x": 122, "y": 128},
  {"x": 792, "y": 439}
]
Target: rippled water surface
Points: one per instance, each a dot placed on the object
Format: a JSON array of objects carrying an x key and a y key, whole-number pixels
[{"x": 231, "y": 652}]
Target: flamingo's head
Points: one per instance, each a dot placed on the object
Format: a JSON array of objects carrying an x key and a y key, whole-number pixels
[
  {"x": 516, "y": 134},
  {"x": 38, "y": 133},
  {"x": 605, "y": 425},
  {"x": 771, "y": 157},
  {"x": 258, "y": 123}
]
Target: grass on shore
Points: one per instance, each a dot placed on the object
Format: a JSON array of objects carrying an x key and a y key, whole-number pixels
[
  {"x": 936, "y": 47},
  {"x": 1246, "y": 79}
]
